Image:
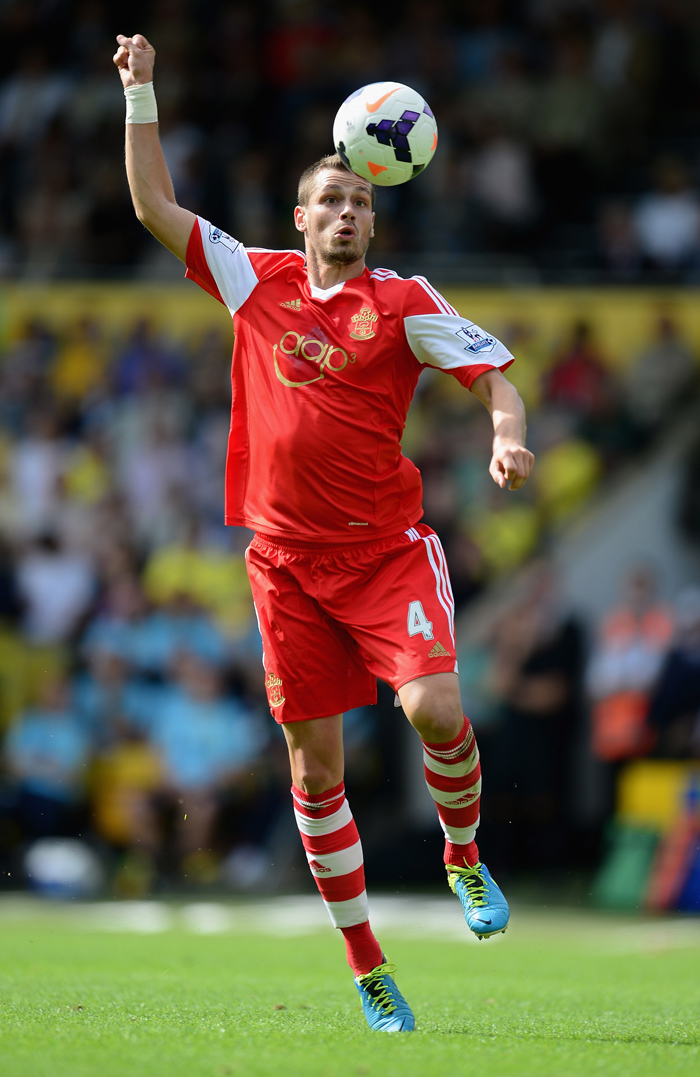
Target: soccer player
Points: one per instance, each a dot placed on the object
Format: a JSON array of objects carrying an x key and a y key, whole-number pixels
[{"x": 348, "y": 584}]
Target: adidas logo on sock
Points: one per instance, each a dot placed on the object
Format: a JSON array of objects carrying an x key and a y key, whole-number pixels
[
  {"x": 438, "y": 651},
  {"x": 466, "y": 798},
  {"x": 292, "y": 304},
  {"x": 315, "y": 866}
]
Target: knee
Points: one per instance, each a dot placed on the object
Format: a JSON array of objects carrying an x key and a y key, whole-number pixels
[
  {"x": 316, "y": 753},
  {"x": 314, "y": 776},
  {"x": 433, "y": 709},
  {"x": 436, "y": 725}
]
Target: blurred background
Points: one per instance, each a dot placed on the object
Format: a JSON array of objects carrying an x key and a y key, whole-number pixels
[{"x": 562, "y": 213}]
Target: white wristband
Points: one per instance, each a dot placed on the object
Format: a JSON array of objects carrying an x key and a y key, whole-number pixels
[{"x": 141, "y": 104}]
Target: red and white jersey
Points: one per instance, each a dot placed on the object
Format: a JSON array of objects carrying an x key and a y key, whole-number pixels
[{"x": 322, "y": 381}]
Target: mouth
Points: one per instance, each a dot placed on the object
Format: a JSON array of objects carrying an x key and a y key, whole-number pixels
[{"x": 346, "y": 232}]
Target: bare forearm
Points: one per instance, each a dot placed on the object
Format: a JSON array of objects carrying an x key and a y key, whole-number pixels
[
  {"x": 507, "y": 412},
  {"x": 511, "y": 462},
  {"x": 149, "y": 180}
]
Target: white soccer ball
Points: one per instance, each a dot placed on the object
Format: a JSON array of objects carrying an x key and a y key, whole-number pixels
[{"x": 385, "y": 132}]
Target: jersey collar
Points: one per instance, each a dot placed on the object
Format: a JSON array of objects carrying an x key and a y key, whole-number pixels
[{"x": 327, "y": 293}]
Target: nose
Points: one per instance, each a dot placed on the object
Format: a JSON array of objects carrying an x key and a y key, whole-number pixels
[{"x": 348, "y": 213}]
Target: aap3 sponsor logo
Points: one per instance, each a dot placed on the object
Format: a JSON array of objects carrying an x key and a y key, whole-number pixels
[{"x": 324, "y": 356}]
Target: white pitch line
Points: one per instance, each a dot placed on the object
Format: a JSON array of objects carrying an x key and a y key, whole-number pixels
[{"x": 405, "y": 916}]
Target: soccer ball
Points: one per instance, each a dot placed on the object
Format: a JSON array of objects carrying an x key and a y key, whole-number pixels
[{"x": 385, "y": 132}]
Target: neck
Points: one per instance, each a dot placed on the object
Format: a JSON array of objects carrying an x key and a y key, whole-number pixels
[{"x": 327, "y": 275}]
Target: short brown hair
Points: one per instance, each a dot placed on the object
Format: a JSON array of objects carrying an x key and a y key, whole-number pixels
[{"x": 307, "y": 180}]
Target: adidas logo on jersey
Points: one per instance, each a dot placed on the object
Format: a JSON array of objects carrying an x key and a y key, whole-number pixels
[
  {"x": 315, "y": 866},
  {"x": 438, "y": 651},
  {"x": 292, "y": 304}
]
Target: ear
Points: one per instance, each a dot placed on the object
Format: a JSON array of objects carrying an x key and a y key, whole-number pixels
[
  {"x": 300, "y": 219},
  {"x": 371, "y": 231}
]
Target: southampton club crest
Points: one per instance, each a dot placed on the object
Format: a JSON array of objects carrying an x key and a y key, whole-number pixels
[
  {"x": 363, "y": 324},
  {"x": 273, "y": 683}
]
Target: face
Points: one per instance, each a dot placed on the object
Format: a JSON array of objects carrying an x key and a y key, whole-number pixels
[{"x": 338, "y": 222}]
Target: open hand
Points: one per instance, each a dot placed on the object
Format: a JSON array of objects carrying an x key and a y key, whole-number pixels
[
  {"x": 511, "y": 463},
  {"x": 134, "y": 60}
]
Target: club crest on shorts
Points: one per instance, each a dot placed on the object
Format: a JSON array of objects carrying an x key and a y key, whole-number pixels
[
  {"x": 273, "y": 684},
  {"x": 364, "y": 322}
]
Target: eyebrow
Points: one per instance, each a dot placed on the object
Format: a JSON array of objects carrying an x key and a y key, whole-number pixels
[{"x": 328, "y": 187}]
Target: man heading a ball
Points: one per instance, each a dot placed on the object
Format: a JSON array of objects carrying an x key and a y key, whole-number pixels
[{"x": 348, "y": 584}]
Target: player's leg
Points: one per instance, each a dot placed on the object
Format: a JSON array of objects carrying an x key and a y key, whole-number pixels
[
  {"x": 452, "y": 770},
  {"x": 451, "y": 765},
  {"x": 334, "y": 852},
  {"x": 313, "y": 667},
  {"x": 403, "y": 619},
  {"x": 329, "y": 834}
]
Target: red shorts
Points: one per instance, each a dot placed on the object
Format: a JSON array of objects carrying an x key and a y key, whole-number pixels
[{"x": 334, "y": 618}]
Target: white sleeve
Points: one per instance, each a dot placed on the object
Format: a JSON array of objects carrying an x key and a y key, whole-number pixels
[
  {"x": 450, "y": 342},
  {"x": 221, "y": 264}
]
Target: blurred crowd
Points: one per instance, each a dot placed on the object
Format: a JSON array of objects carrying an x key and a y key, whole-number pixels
[
  {"x": 547, "y": 692},
  {"x": 568, "y": 128},
  {"x": 132, "y": 706}
]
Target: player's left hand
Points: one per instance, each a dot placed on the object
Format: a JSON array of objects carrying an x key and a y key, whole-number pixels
[{"x": 511, "y": 463}]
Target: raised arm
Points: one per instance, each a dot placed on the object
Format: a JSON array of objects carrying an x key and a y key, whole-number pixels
[
  {"x": 511, "y": 462},
  {"x": 149, "y": 181}
]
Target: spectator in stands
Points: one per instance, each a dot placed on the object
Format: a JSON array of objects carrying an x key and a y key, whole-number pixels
[
  {"x": 47, "y": 753},
  {"x": 586, "y": 89},
  {"x": 631, "y": 646},
  {"x": 618, "y": 244},
  {"x": 127, "y": 780},
  {"x": 674, "y": 710},
  {"x": 108, "y": 696},
  {"x": 212, "y": 577},
  {"x": 502, "y": 185},
  {"x": 79, "y": 367},
  {"x": 11, "y": 642},
  {"x": 31, "y": 97},
  {"x": 117, "y": 625},
  {"x": 51, "y": 219},
  {"x": 583, "y": 386},
  {"x": 37, "y": 466},
  {"x": 571, "y": 466},
  {"x": 536, "y": 658},
  {"x": 57, "y": 587},
  {"x": 661, "y": 378},
  {"x": 569, "y": 127},
  {"x": 23, "y": 371},
  {"x": 578, "y": 381},
  {"x": 208, "y": 743},
  {"x": 667, "y": 220},
  {"x": 155, "y": 481}
]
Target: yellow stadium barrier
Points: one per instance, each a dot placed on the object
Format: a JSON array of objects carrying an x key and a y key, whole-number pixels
[
  {"x": 623, "y": 320},
  {"x": 650, "y": 793}
]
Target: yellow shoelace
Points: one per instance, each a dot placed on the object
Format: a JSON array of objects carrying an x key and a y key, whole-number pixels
[
  {"x": 473, "y": 880},
  {"x": 379, "y": 992}
]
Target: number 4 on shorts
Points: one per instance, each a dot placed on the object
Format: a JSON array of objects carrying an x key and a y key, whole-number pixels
[{"x": 418, "y": 623}]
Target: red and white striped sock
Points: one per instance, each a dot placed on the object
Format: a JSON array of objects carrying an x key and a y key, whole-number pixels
[
  {"x": 453, "y": 776},
  {"x": 334, "y": 852}
]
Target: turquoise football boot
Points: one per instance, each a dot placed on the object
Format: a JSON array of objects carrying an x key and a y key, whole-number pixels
[
  {"x": 485, "y": 908},
  {"x": 385, "y": 1007}
]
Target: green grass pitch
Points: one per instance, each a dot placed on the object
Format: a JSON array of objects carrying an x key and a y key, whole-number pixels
[{"x": 558, "y": 995}]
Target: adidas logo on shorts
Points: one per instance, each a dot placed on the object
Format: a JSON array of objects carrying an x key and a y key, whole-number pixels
[{"x": 438, "y": 651}]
